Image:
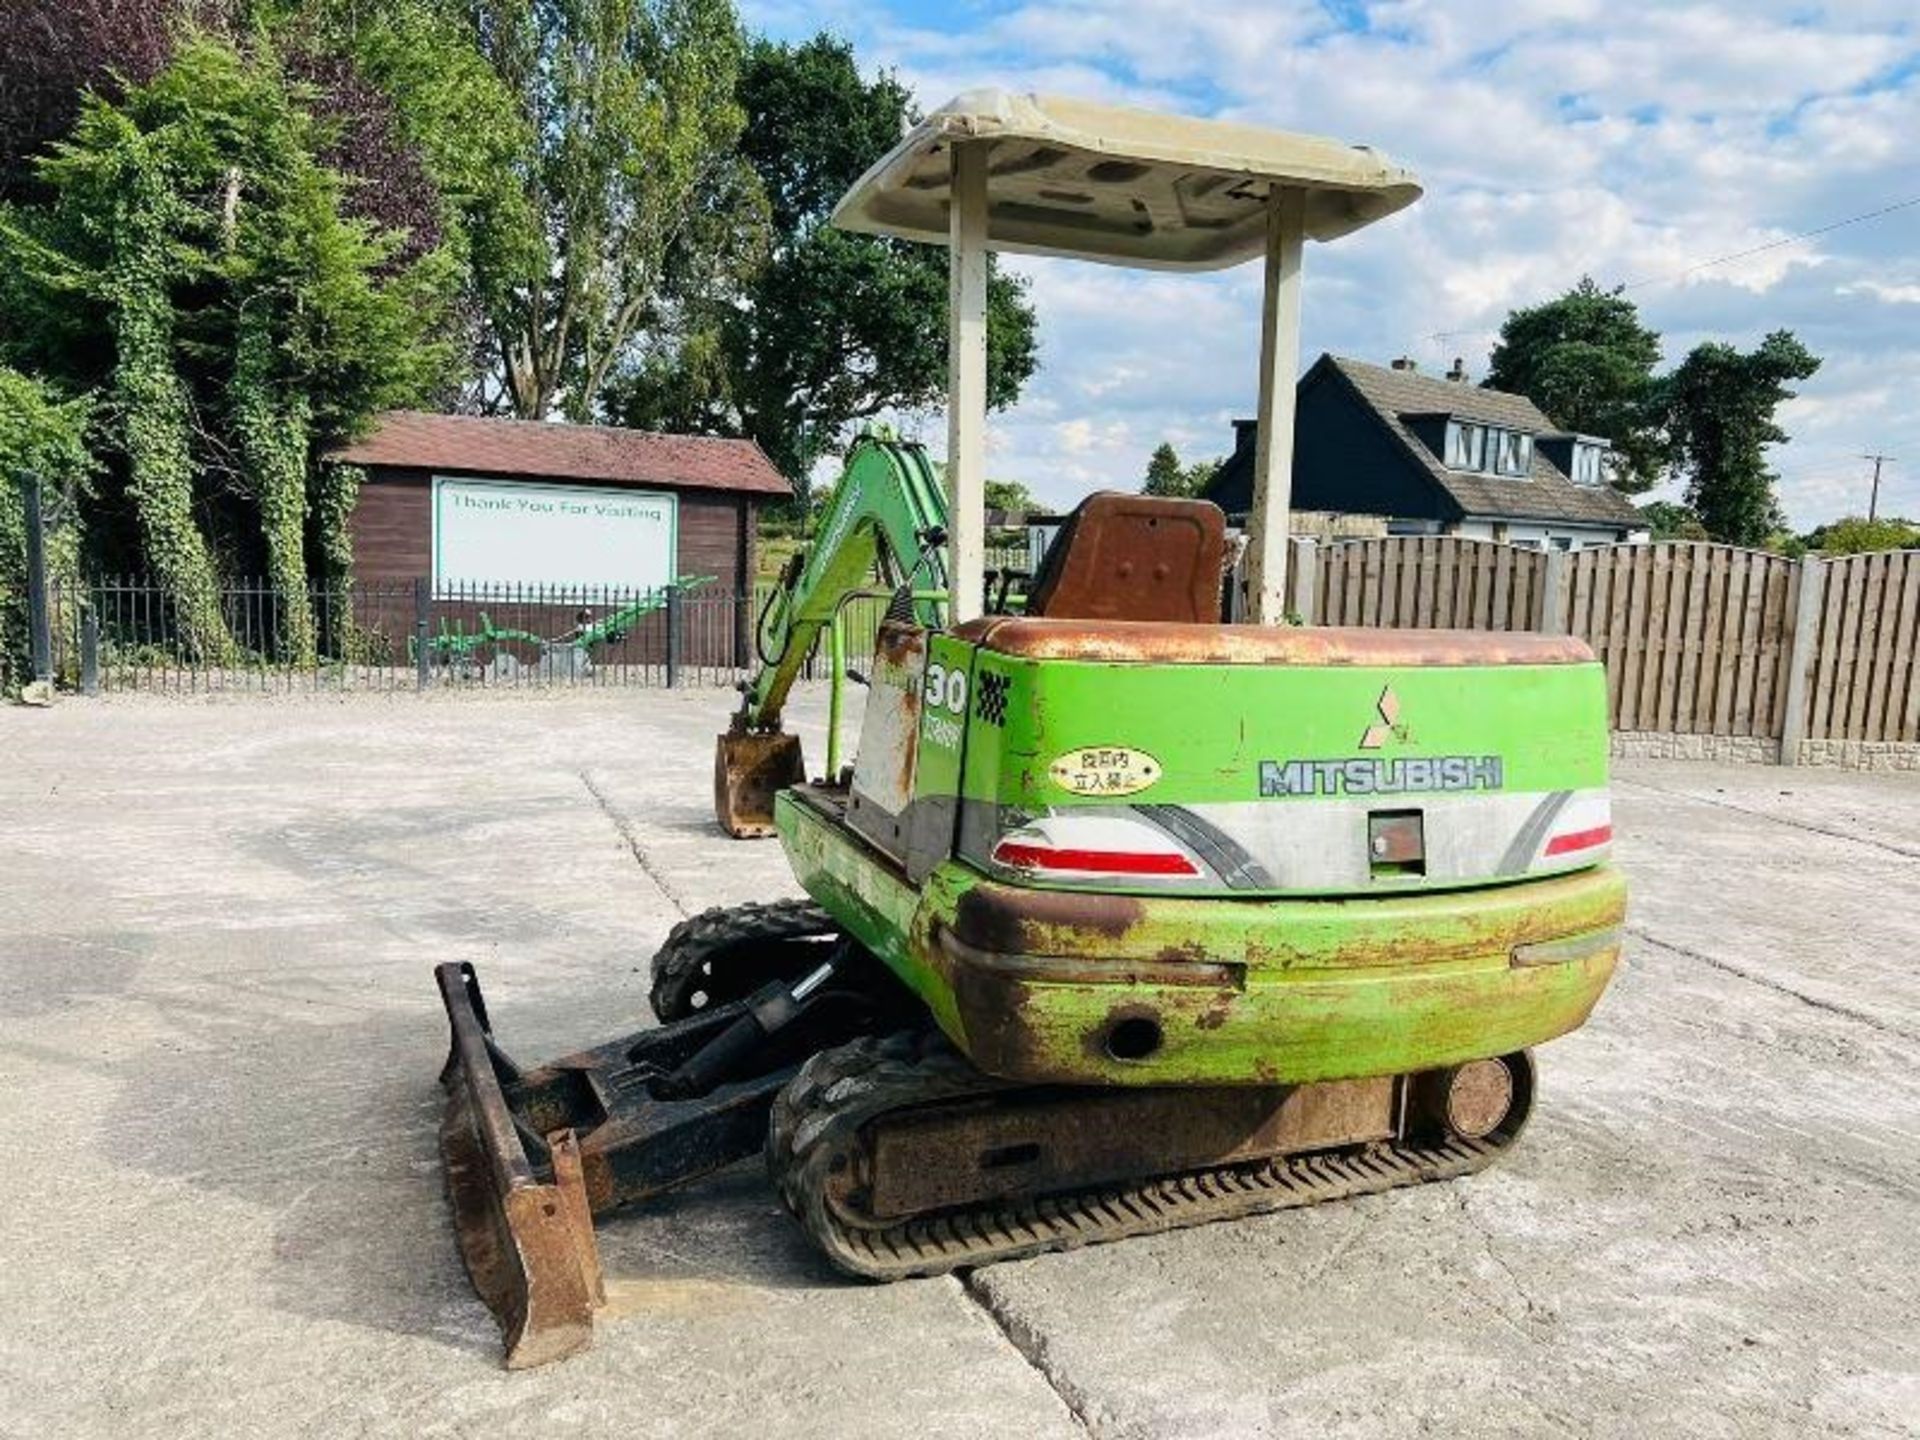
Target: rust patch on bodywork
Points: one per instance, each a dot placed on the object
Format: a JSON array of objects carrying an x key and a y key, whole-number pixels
[
  {"x": 901, "y": 647},
  {"x": 1133, "y": 641},
  {"x": 1042, "y": 922}
]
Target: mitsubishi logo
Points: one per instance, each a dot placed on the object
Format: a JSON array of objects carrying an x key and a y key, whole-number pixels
[
  {"x": 1286, "y": 779},
  {"x": 1389, "y": 727}
]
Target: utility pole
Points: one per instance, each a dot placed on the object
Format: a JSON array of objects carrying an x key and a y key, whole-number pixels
[{"x": 1873, "y": 501}]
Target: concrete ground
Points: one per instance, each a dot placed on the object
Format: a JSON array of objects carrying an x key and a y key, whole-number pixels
[{"x": 221, "y": 1210}]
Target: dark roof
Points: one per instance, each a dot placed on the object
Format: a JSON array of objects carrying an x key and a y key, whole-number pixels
[
  {"x": 1547, "y": 495},
  {"x": 538, "y": 450}
]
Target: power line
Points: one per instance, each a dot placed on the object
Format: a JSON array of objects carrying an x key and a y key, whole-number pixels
[{"x": 1865, "y": 215}]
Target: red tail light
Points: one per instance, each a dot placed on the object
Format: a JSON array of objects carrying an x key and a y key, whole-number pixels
[
  {"x": 1100, "y": 862},
  {"x": 1580, "y": 840}
]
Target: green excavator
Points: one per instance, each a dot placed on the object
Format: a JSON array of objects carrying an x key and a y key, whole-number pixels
[{"x": 1123, "y": 918}]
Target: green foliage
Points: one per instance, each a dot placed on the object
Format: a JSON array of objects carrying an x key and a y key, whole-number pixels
[
  {"x": 836, "y": 328},
  {"x": 330, "y": 550},
  {"x": 195, "y": 263},
  {"x": 271, "y": 425},
  {"x": 470, "y": 130},
  {"x": 42, "y": 434},
  {"x": 1587, "y": 361},
  {"x": 1668, "y": 521},
  {"x": 1856, "y": 535},
  {"x": 1167, "y": 476},
  {"x": 587, "y": 148},
  {"x": 120, "y": 188},
  {"x": 1010, "y": 496},
  {"x": 1721, "y": 419},
  {"x": 1200, "y": 474}
]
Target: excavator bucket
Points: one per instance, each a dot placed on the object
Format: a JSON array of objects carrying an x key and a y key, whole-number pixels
[
  {"x": 528, "y": 1245},
  {"x": 750, "y": 767}
]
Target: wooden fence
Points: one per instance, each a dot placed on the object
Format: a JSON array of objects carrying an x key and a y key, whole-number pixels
[
  {"x": 1428, "y": 582},
  {"x": 1698, "y": 639},
  {"x": 1864, "y": 652}
]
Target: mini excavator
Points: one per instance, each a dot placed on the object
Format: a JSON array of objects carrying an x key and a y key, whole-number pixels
[{"x": 1123, "y": 918}]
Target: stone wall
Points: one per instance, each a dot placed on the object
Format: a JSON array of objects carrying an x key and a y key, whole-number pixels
[
  {"x": 1861, "y": 754},
  {"x": 1758, "y": 750},
  {"x": 1665, "y": 745}
]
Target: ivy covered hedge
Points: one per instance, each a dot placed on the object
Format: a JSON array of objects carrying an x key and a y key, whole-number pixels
[
  {"x": 187, "y": 271},
  {"x": 47, "y": 436}
]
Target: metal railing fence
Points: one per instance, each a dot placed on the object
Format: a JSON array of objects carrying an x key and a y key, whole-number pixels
[{"x": 126, "y": 634}]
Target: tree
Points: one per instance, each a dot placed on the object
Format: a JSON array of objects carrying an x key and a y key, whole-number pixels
[
  {"x": 837, "y": 328},
  {"x": 1587, "y": 361},
  {"x": 194, "y": 264},
  {"x": 1856, "y": 535},
  {"x": 1668, "y": 521},
  {"x": 51, "y": 55},
  {"x": 1720, "y": 421},
  {"x": 1010, "y": 497},
  {"x": 621, "y": 141},
  {"x": 1167, "y": 476}
]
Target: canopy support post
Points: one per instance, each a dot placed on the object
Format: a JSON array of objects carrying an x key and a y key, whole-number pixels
[
  {"x": 1273, "y": 442},
  {"x": 967, "y": 383}
]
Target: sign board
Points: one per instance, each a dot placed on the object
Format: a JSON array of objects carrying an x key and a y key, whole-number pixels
[{"x": 499, "y": 532}]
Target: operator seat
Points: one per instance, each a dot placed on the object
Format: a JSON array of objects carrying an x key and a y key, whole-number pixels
[{"x": 1134, "y": 557}]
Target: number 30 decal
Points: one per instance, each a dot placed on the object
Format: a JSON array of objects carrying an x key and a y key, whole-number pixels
[{"x": 946, "y": 689}]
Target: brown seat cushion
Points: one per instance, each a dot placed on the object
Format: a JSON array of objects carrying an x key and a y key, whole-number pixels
[{"x": 1134, "y": 557}]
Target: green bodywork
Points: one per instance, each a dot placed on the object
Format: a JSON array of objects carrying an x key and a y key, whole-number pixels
[
  {"x": 1316, "y": 989},
  {"x": 1283, "y": 986},
  {"x": 1211, "y": 728},
  {"x": 1266, "y": 972}
]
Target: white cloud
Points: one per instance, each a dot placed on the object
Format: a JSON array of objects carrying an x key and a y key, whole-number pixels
[
  {"x": 1892, "y": 294},
  {"x": 1626, "y": 139}
]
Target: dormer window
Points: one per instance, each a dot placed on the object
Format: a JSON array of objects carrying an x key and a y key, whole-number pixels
[
  {"x": 1488, "y": 449},
  {"x": 1466, "y": 446},
  {"x": 1589, "y": 464},
  {"x": 1515, "y": 452}
]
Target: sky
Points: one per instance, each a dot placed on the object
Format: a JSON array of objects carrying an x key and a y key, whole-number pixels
[{"x": 1630, "y": 140}]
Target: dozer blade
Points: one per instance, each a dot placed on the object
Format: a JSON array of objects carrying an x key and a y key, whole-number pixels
[
  {"x": 749, "y": 769},
  {"x": 528, "y": 1245},
  {"x": 533, "y": 1154}
]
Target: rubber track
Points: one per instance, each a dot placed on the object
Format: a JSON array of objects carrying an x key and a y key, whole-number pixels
[
  {"x": 680, "y": 965},
  {"x": 820, "y": 1113}
]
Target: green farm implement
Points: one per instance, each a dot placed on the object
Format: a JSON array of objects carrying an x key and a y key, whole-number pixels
[
  {"x": 1123, "y": 918},
  {"x": 492, "y": 652}
]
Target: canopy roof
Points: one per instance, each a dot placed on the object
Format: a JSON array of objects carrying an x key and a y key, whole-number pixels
[{"x": 1100, "y": 182}]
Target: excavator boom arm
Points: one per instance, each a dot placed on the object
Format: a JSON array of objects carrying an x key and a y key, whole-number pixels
[
  {"x": 889, "y": 510},
  {"x": 886, "y": 511}
]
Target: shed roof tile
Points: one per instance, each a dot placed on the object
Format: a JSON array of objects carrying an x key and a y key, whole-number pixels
[{"x": 539, "y": 450}]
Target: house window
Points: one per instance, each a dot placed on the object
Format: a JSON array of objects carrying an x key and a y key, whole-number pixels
[
  {"x": 1488, "y": 450},
  {"x": 1589, "y": 464},
  {"x": 1466, "y": 446}
]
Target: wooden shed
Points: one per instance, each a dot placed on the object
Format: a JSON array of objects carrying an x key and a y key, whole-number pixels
[{"x": 464, "y": 501}]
